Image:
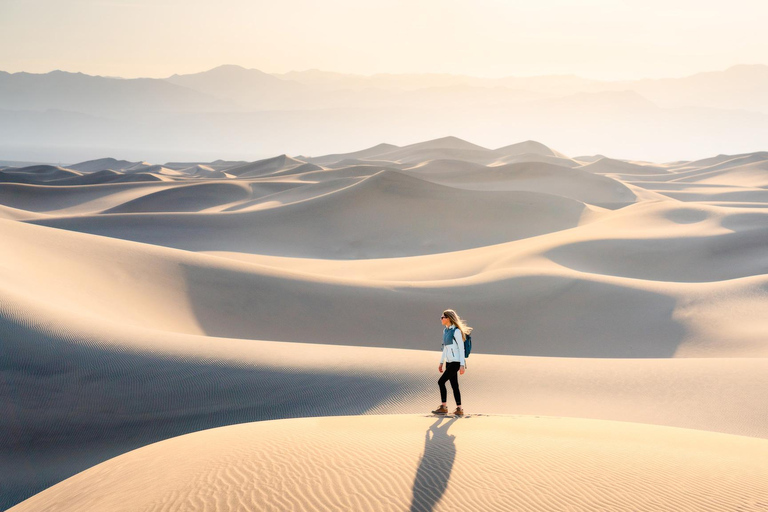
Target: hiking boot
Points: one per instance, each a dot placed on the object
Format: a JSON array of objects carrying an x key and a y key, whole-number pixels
[
  {"x": 459, "y": 412},
  {"x": 441, "y": 410}
]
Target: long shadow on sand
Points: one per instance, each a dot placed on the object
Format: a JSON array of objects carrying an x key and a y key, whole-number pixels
[{"x": 434, "y": 467}]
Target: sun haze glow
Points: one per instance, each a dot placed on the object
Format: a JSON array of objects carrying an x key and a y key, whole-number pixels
[{"x": 603, "y": 39}]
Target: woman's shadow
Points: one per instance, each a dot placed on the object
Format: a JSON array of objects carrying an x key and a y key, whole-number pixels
[{"x": 434, "y": 467}]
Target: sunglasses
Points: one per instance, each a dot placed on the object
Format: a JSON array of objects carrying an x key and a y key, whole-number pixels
[{"x": 443, "y": 316}]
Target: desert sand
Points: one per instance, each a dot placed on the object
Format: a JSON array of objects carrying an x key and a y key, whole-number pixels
[
  {"x": 265, "y": 335},
  {"x": 474, "y": 463}
]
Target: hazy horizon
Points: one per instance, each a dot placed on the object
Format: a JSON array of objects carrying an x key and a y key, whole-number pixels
[
  {"x": 386, "y": 73},
  {"x": 488, "y": 38},
  {"x": 644, "y": 81}
]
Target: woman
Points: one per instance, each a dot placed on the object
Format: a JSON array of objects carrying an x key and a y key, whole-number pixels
[{"x": 454, "y": 332}]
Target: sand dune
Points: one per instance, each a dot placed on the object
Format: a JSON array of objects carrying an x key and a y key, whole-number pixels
[
  {"x": 419, "y": 154},
  {"x": 171, "y": 384},
  {"x": 7, "y": 212},
  {"x": 101, "y": 164},
  {"x": 445, "y": 147},
  {"x": 301, "y": 169},
  {"x": 619, "y": 307},
  {"x": 749, "y": 174},
  {"x": 276, "y": 193},
  {"x": 722, "y": 159},
  {"x": 522, "y": 283},
  {"x": 420, "y": 463},
  {"x": 73, "y": 199},
  {"x": 533, "y": 157},
  {"x": 529, "y": 147},
  {"x": 347, "y": 162},
  {"x": 216, "y": 165},
  {"x": 530, "y": 176},
  {"x": 188, "y": 198},
  {"x": 612, "y": 166},
  {"x": 449, "y": 143},
  {"x": 36, "y": 174},
  {"x": 264, "y": 167},
  {"x": 379, "y": 216},
  {"x": 737, "y": 196},
  {"x": 204, "y": 171},
  {"x": 363, "y": 170},
  {"x": 364, "y": 154}
]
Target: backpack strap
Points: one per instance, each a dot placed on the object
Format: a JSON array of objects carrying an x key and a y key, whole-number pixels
[
  {"x": 453, "y": 337},
  {"x": 462, "y": 341}
]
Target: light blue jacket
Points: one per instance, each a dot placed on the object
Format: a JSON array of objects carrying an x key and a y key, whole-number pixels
[{"x": 453, "y": 349}]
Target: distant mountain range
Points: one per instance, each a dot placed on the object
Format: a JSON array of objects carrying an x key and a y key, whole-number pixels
[
  {"x": 234, "y": 88},
  {"x": 246, "y": 113}
]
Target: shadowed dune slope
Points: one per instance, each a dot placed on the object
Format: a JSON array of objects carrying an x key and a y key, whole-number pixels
[
  {"x": 36, "y": 174},
  {"x": 364, "y": 154},
  {"x": 612, "y": 166},
  {"x": 514, "y": 283},
  {"x": 188, "y": 198},
  {"x": 73, "y": 199},
  {"x": 529, "y": 147},
  {"x": 264, "y": 167},
  {"x": 346, "y": 162},
  {"x": 117, "y": 197},
  {"x": 749, "y": 174},
  {"x": 101, "y": 164},
  {"x": 530, "y": 176},
  {"x": 363, "y": 170},
  {"x": 387, "y": 214},
  {"x": 533, "y": 157}
]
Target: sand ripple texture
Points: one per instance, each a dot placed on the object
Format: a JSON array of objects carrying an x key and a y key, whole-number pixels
[{"x": 422, "y": 463}]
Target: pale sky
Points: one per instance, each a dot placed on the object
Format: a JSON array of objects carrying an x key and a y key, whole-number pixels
[{"x": 602, "y": 39}]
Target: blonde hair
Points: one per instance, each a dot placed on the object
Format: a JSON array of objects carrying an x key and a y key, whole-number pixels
[{"x": 458, "y": 322}]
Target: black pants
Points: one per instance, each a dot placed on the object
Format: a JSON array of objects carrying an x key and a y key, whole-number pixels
[{"x": 451, "y": 373}]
